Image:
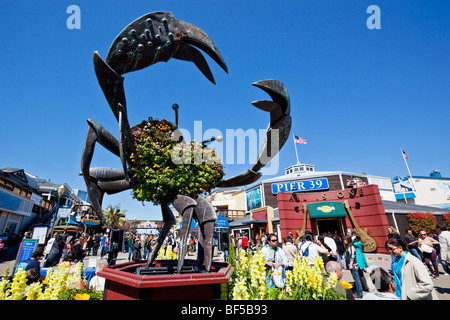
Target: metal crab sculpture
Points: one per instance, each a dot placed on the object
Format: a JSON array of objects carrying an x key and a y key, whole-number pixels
[{"x": 153, "y": 38}]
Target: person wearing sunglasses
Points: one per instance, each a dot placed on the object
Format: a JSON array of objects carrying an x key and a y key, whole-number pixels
[
  {"x": 412, "y": 281},
  {"x": 276, "y": 261}
]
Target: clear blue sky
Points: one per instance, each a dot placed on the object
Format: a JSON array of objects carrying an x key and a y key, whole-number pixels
[{"x": 357, "y": 95}]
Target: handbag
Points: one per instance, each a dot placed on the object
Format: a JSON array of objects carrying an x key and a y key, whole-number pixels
[
  {"x": 277, "y": 279},
  {"x": 426, "y": 248}
]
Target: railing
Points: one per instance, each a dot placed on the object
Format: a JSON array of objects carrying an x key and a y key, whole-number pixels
[{"x": 232, "y": 214}]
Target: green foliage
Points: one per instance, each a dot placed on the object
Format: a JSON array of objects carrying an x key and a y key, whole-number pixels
[
  {"x": 114, "y": 216},
  {"x": 419, "y": 221},
  {"x": 232, "y": 261},
  {"x": 70, "y": 294},
  {"x": 232, "y": 255},
  {"x": 162, "y": 168}
]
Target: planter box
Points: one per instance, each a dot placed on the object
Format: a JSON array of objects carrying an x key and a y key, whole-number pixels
[{"x": 122, "y": 282}]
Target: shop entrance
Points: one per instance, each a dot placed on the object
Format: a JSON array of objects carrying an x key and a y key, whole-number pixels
[{"x": 330, "y": 225}]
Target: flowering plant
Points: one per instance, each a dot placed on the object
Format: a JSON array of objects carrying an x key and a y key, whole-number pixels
[
  {"x": 65, "y": 282},
  {"x": 167, "y": 254},
  {"x": 446, "y": 219},
  {"x": 161, "y": 167},
  {"x": 419, "y": 221},
  {"x": 250, "y": 280}
]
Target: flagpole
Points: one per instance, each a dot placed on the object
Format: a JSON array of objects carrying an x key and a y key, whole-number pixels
[
  {"x": 296, "y": 152},
  {"x": 406, "y": 163}
]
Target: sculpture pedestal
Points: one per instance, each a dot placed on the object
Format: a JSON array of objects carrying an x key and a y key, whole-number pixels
[{"x": 122, "y": 282}]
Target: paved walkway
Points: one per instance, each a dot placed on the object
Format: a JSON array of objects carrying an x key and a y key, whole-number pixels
[{"x": 442, "y": 285}]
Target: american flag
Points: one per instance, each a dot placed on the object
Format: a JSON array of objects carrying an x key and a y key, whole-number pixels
[
  {"x": 298, "y": 139},
  {"x": 405, "y": 155}
]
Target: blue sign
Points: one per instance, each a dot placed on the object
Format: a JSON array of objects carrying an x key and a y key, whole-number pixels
[
  {"x": 301, "y": 185},
  {"x": 25, "y": 252},
  {"x": 221, "y": 222},
  {"x": 254, "y": 198}
]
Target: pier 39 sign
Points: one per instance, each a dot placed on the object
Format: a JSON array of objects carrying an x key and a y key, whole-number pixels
[{"x": 302, "y": 185}]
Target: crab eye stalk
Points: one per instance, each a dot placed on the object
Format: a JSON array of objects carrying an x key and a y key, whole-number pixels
[{"x": 218, "y": 139}]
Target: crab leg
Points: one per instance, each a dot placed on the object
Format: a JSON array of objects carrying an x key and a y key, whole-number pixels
[
  {"x": 111, "y": 83},
  {"x": 185, "y": 206},
  {"x": 124, "y": 128},
  {"x": 207, "y": 217},
  {"x": 205, "y": 248},
  {"x": 169, "y": 221},
  {"x": 96, "y": 133}
]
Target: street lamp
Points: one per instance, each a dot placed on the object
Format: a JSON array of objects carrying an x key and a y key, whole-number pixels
[
  {"x": 61, "y": 191},
  {"x": 218, "y": 139}
]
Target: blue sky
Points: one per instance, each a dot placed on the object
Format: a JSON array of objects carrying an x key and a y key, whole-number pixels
[{"x": 357, "y": 95}]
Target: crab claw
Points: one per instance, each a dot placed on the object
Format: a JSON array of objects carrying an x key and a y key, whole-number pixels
[
  {"x": 277, "y": 132},
  {"x": 156, "y": 37},
  {"x": 280, "y": 120}
]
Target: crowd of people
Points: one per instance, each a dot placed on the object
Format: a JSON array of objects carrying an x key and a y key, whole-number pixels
[
  {"x": 139, "y": 246},
  {"x": 414, "y": 263},
  {"x": 414, "y": 260}
]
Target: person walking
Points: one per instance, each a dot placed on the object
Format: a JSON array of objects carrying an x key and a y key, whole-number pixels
[
  {"x": 311, "y": 249},
  {"x": 339, "y": 249},
  {"x": 290, "y": 250},
  {"x": 145, "y": 245},
  {"x": 245, "y": 242},
  {"x": 444, "y": 241},
  {"x": 352, "y": 264},
  {"x": 412, "y": 243},
  {"x": 275, "y": 261},
  {"x": 77, "y": 249},
  {"x": 102, "y": 245},
  {"x": 130, "y": 246},
  {"x": 136, "y": 252},
  {"x": 96, "y": 244},
  {"x": 412, "y": 281},
  {"x": 428, "y": 253},
  {"x": 393, "y": 233},
  {"x": 361, "y": 260},
  {"x": 58, "y": 249}
]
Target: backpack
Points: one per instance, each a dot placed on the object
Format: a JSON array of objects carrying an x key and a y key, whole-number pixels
[{"x": 306, "y": 252}]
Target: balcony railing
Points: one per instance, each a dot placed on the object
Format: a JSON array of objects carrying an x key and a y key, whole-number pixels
[{"x": 232, "y": 214}]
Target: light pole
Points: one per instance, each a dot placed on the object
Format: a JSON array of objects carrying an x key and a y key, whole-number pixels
[{"x": 61, "y": 190}]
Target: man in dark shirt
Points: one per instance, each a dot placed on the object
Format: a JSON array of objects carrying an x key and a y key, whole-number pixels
[
  {"x": 59, "y": 248},
  {"x": 412, "y": 243}
]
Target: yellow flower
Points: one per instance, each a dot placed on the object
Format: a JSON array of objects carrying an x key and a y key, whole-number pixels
[
  {"x": 312, "y": 279},
  {"x": 345, "y": 284},
  {"x": 82, "y": 296}
]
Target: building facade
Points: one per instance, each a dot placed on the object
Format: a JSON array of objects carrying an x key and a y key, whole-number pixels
[
  {"x": 372, "y": 205},
  {"x": 26, "y": 199},
  {"x": 432, "y": 190}
]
